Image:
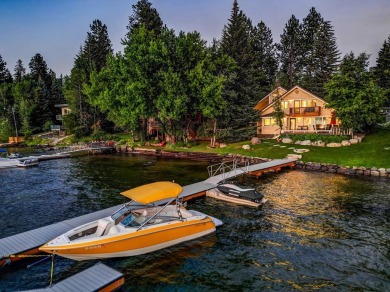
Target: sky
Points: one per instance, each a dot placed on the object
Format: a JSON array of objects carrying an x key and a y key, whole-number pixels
[{"x": 57, "y": 28}]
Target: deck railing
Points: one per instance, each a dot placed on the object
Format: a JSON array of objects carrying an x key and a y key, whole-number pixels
[
  {"x": 305, "y": 111},
  {"x": 227, "y": 167}
]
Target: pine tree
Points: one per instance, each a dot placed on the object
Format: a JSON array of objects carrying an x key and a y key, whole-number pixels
[
  {"x": 290, "y": 53},
  {"x": 144, "y": 15},
  {"x": 320, "y": 55},
  {"x": 92, "y": 57},
  {"x": 239, "y": 86},
  {"x": 5, "y": 75},
  {"x": 19, "y": 70},
  {"x": 264, "y": 64},
  {"x": 309, "y": 29},
  {"x": 97, "y": 46},
  {"x": 382, "y": 68},
  {"x": 38, "y": 68},
  {"x": 325, "y": 57},
  {"x": 39, "y": 73}
]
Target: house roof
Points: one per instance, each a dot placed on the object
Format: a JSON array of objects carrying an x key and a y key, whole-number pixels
[
  {"x": 264, "y": 101},
  {"x": 292, "y": 89},
  {"x": 61, "y": 105}
]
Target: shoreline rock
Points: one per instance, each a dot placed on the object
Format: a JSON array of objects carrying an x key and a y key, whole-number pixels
[{"x": 334, "y": 168}]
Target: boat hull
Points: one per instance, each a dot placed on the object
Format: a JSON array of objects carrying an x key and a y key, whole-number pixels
[{"x": 135, "y": 243}]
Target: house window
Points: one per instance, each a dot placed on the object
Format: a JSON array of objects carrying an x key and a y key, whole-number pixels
[
  {"x": 269, "y": 122},
  {"x": 284, "y": 104},
  {"x": 320, "y": 121},
  {"x": 308, "y": 103}
]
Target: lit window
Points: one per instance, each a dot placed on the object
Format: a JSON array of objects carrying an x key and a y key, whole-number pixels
[
  {"x": 267, "y": 122},
  {"x": 284, "y": 104}
]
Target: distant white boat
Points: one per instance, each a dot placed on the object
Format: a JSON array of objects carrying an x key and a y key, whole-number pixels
[
  {"x": 14, "y": 155},
  {"x": 28, "y": 162},
  {"x": 6, "y": 163}
]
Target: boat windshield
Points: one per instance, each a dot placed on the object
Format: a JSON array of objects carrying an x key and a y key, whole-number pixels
[{"x": 127, "y": 214}]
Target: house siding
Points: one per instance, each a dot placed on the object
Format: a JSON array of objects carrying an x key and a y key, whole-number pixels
[{"x": 305, "y": 112}]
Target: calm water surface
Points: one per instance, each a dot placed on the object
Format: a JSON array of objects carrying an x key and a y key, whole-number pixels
[{"x": 317, "y": 231}]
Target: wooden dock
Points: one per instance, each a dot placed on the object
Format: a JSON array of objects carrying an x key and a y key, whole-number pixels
[
  {"x": 28, "y": 242},
  {"x": 64, "y": 152},
  {"x": 97, "y": 278},
  {"x": 272, "y": 167},
  {"x": 255, "y": 169},
  {"x": 13, "y": 248}
]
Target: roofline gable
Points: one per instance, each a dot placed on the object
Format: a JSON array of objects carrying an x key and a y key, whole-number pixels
[
  {"x": 305, "y": 90},
  {"x": 289, "y": 91},
  {"x": 271, "y": 93}
]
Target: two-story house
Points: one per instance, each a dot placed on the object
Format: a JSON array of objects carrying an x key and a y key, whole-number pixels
[
  {"x": 304, "y": 112},
  {"x": 60, "y": 129}
]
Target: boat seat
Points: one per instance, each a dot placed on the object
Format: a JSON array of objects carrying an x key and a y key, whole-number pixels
[
  {"x": 114, "y": 230},
  {"x": 104, "y": 225},
  {"x": 141, "y": 218}
]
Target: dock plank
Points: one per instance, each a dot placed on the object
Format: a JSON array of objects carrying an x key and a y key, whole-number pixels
[
  {"x": 94, "y": 278},
  {"x": 34, "y": 238}
]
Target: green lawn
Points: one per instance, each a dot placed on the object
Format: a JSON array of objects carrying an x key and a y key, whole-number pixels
[{"x": 369, "y": 153}]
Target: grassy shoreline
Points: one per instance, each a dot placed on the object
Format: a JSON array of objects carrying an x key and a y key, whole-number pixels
[
  {"x": 370, "y": 153},
  {"x": 374, "y": 151}
]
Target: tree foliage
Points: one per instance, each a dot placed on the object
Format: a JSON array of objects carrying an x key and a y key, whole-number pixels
[
  {"x": 144, "y": 15},
  {"x": 239, "y": 87},
  {"x": 290, "y": 53},
  {"x": 353, "y": 94},
  {"x": 320, "y": 55},
  {"x": 19, "y": 70},
  {"x": 5, "y": 75},
  {"x": 308, "y": 53},
  {"x": 92, "y": 57},
  {"x": 382, "y": 68},
  {"x": 166, "y": 76},
  {"x": 264, "y": 64},
  {"x": 278, "y": 113},
  {"x": 185, "y": 85}
]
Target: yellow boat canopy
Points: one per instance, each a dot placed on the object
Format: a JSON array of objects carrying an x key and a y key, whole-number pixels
[{"x": 153, "y": 192}]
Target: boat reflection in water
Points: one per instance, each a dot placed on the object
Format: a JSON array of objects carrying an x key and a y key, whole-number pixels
[
  {"x": 139, "y": 227},
  {"x": 167, "y": 266}
]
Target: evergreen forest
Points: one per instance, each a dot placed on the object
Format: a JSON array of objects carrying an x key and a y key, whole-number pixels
[{"x": 188, "y": 86}]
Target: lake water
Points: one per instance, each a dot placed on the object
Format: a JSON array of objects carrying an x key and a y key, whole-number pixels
[{"x": 316, "y": 232}]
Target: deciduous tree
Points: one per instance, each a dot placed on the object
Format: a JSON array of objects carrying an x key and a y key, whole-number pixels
[{"x": 354, "y": 95}]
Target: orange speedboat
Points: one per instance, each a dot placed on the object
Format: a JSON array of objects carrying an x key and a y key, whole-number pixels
[{"x": 140, "y": 226}]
